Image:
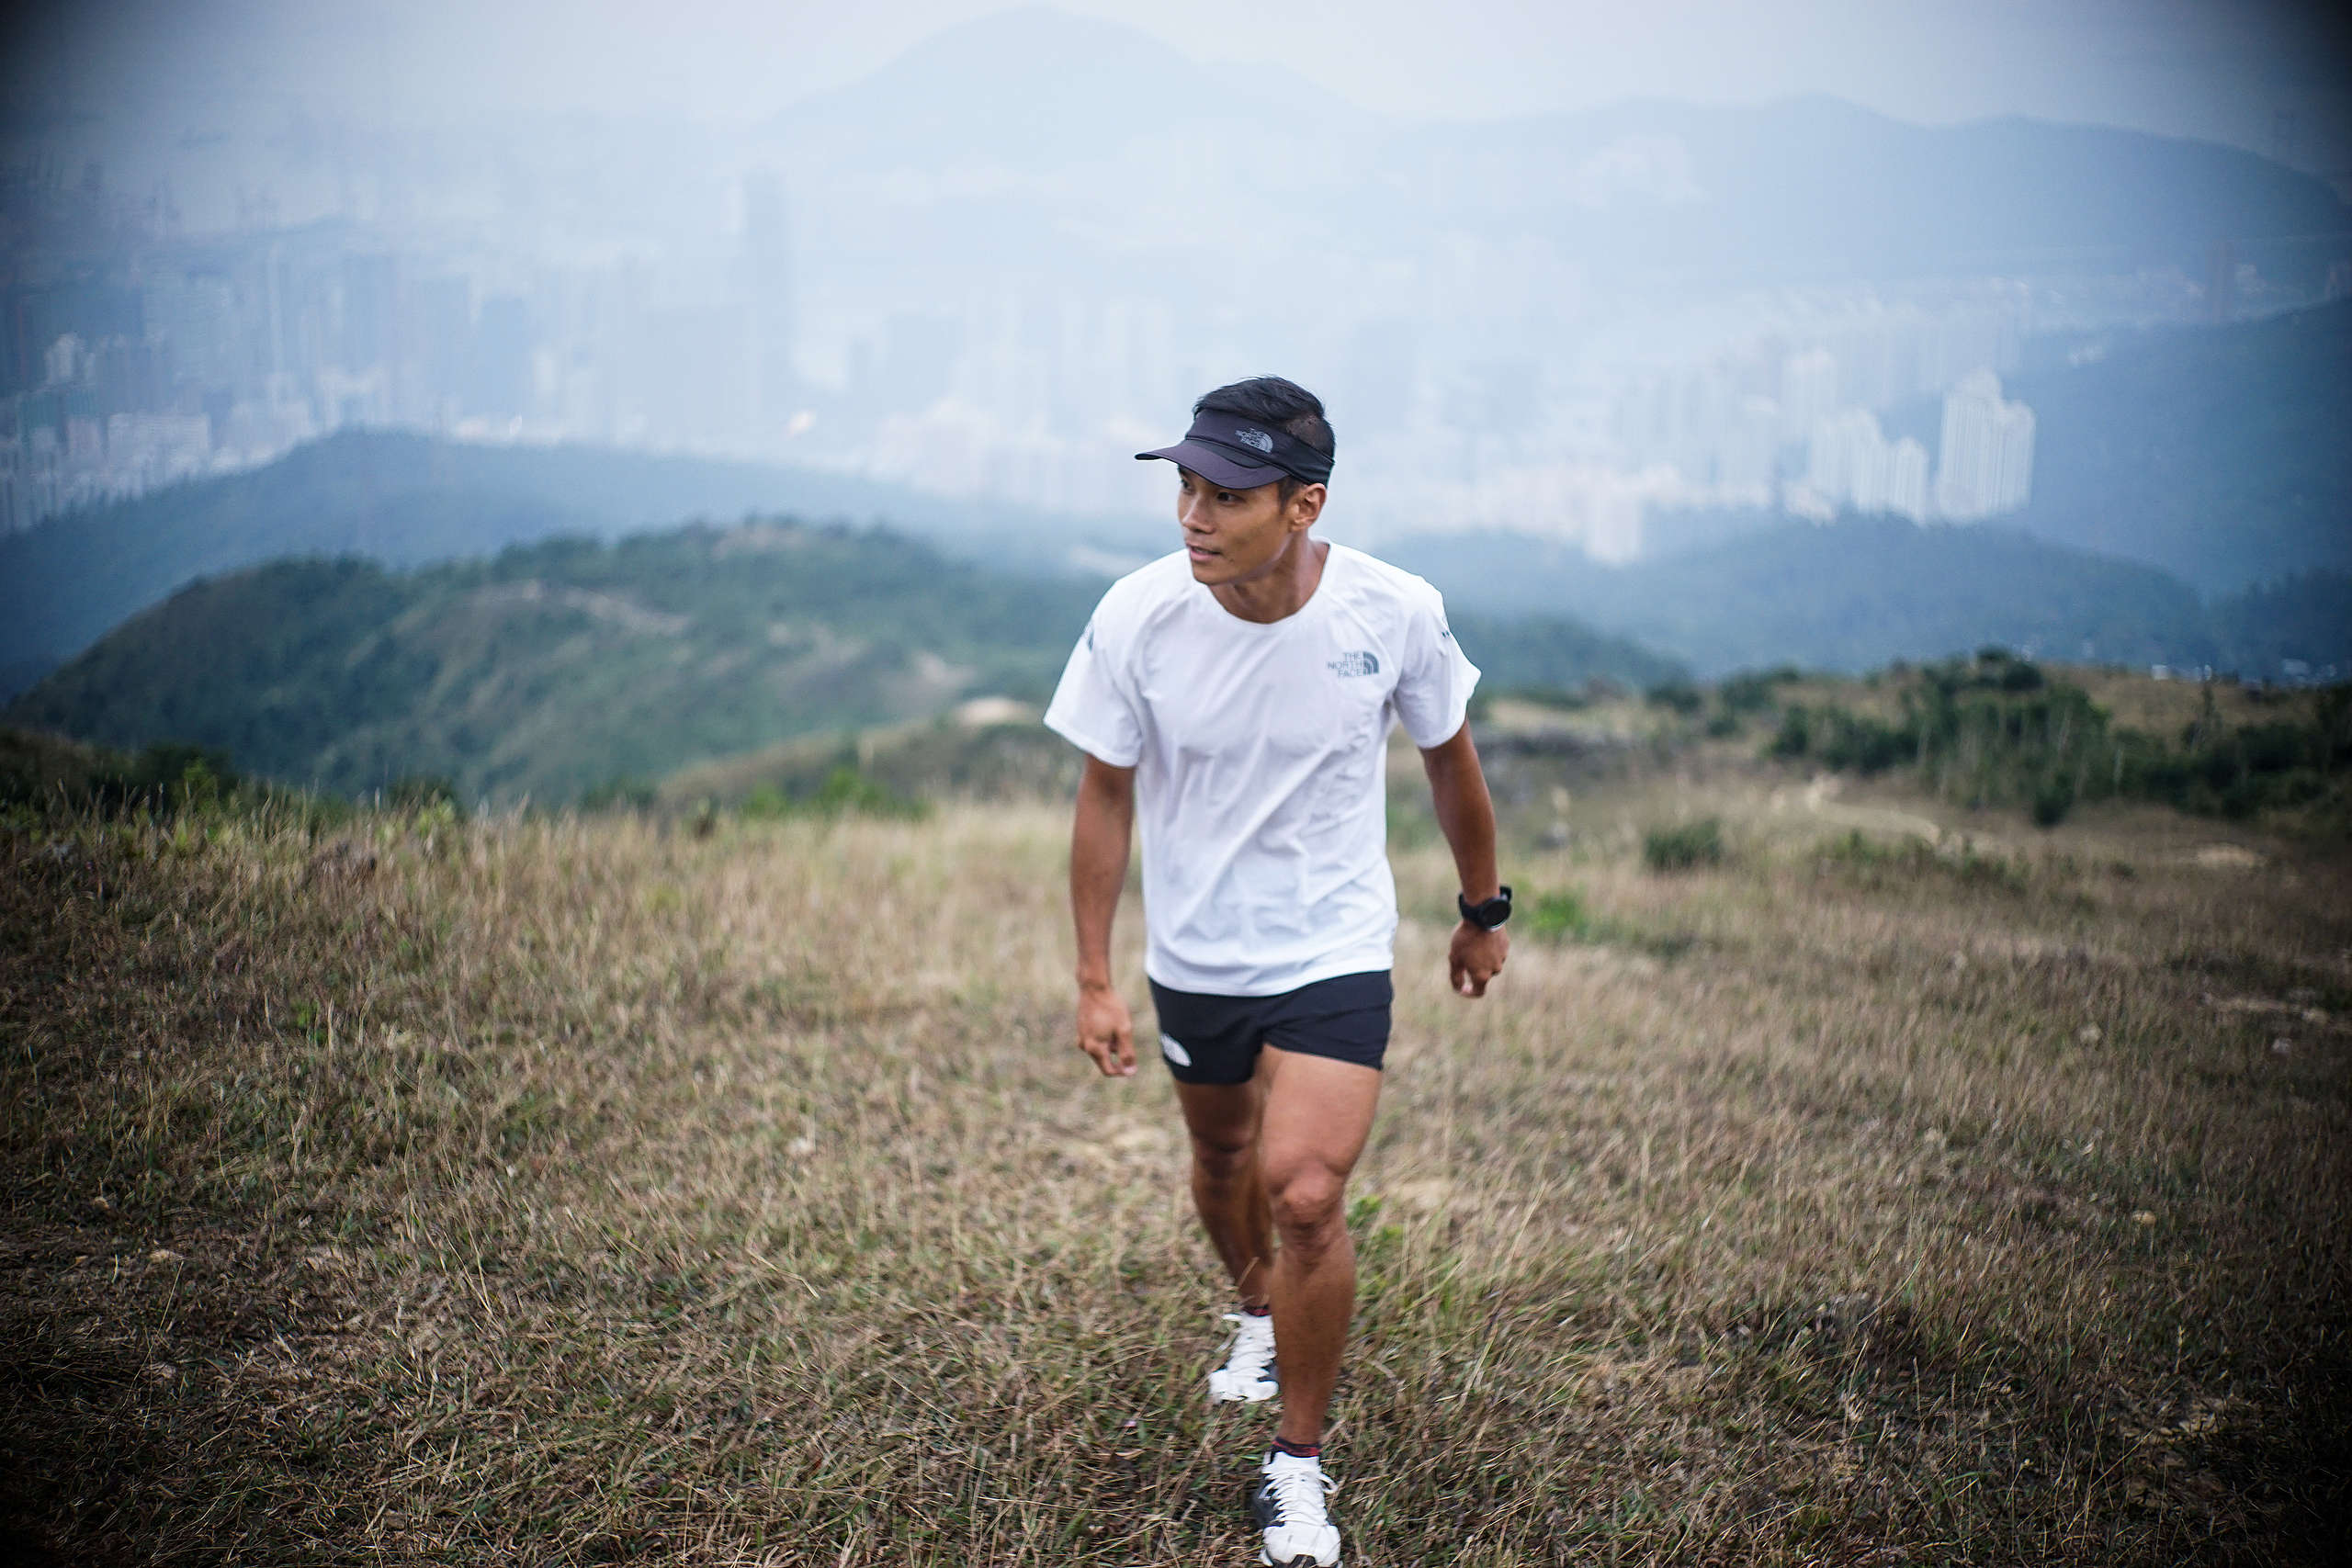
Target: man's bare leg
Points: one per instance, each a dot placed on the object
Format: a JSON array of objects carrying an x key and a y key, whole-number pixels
[
  {"x": 1229, "y": 1181},
  {"x": 1317, "y": 1114}
]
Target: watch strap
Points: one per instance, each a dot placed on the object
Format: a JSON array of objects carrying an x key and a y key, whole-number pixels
[{"x": 1487, "y": 915}]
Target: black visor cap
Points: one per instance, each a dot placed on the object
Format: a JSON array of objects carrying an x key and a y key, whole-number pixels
[{"x": 1229, "y": 451}]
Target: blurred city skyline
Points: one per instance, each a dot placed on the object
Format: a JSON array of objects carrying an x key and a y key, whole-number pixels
[{"x": 993, "y": 261}]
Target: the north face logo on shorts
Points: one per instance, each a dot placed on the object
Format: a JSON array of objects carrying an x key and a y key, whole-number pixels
[
  {"x": 1355, "y": 664},
  {"x": 1170, "y": 1048}
]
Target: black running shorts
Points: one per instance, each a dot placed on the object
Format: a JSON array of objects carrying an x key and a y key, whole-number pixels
[{"x": 1217, "y": 1039}]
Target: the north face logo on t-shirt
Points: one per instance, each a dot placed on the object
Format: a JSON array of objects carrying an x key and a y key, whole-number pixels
[{"x": 1355, "y": 664}]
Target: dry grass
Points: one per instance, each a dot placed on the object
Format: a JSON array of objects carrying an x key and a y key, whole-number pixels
[{"x": 561, "y": 1192}]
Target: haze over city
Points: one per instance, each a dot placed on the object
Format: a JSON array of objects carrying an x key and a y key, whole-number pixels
[{"x": 1561, "y": 273}]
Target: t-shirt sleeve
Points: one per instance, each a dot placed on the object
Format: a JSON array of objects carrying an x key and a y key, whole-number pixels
[
  {"x": 1434, "y": 679},
  {"x": 1090, "y": 708}
]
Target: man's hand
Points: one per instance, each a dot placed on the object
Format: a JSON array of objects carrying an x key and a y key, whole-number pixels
[
  {"x": 1106, "y": 1031},
  {"x": 1473, "y": 957}
]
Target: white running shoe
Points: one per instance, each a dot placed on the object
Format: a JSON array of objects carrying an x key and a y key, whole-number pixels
[
  {"x": 1248, "y": 1375},
  {"x": 1290, "y": 1507}
]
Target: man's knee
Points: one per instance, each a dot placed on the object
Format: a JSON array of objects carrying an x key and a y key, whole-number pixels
[
  {"x": 1307, "y": 1201},
  {"x": 1222, "y": 1157}
]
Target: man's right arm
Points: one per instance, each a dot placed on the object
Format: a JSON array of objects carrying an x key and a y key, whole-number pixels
[{"x": 1098, "y": 871}]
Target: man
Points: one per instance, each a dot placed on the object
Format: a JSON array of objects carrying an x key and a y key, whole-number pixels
[{"x": 1239, "y": 694}]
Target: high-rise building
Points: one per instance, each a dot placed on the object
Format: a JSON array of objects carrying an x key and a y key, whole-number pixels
[
  {"x": 1906, "y": 479},
  {"x": 1986, "y": 465},
  {"x": 1851, "y": 463},
  {"x": 195, "y": 315},
  {"x": 371, "y": 313},
  {"x": 1808, "y": 392},
  {"x": 1746, "y": 455},
  {"x": 437, "y": 320},
  {"x": 767, "y": 290},
  {"x": 1842, "y": 448},
  {"x": 502, "y": 382}
]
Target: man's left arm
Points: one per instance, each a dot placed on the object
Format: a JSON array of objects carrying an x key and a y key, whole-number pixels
[{"x": 1466, "y": 816}]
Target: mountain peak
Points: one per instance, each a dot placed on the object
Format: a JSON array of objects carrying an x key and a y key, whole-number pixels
[{"x": 1035, "y": 84}]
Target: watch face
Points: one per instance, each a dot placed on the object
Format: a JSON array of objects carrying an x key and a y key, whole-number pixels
[{"x": 1489, "y": 914}]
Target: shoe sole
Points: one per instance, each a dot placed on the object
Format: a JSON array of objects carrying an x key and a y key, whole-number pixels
[
  {"x": 1257, "y": 1511},
  {"x": 1270, "y": 1386},
  {"x": 1249, "y": 1398}
]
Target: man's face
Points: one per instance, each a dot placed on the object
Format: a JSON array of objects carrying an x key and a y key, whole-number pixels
[{"x": 1236, "y": 536}]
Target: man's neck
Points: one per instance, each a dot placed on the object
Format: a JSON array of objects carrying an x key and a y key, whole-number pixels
[{"x": 1284, "y": 588}]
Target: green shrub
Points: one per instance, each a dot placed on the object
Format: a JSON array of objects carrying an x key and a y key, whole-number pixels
[
  {"x": 1751, "y": 691},
  {"x": 846, "y": 791},
  {"x": 1683, "y": 847},
  {"x": 1680, "y": 696},
  {"x": 1858, "y": 743},
  {"x": 1794, "y": 737},
  {"x": 2053, "y": 801},
  {"x": 423, "y": 792},
  {"x": 767, "y": 802},
  {"x": 1557, "y": 916},
  {"x": 1996, "y": 731},
  {"x": 46, "y": 773}
]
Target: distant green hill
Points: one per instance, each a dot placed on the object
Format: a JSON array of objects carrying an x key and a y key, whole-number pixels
[
  {"x": 1856, "y": 593},
  {"x": 554, "y": 668},
  {"x": 2220, "y": 454},
  {"x": 408, "y": 500}
]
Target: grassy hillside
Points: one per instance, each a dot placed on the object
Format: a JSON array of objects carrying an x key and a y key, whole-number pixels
[
  {"x": 577, "y": 1190},
  {"x": 408, "y": 500},
  {"x": 553, "y": 668}
]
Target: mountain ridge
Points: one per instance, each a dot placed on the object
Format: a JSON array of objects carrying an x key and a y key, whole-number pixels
[
  {"x": 1856, "y": 593},
  {"x": 1004, "y": 91},
  {"x": 408, "y": 499},
  {"x": 553, "y": 668}
]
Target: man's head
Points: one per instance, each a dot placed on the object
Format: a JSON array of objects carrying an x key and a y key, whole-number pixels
[{"x": 1253, "y": 473}]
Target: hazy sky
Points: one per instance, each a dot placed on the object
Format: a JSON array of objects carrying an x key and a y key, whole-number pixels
[{"x": 2218, "y": 68}]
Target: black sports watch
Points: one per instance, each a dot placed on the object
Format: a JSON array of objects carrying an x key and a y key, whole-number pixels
[{"x": 1488, "y": 915}]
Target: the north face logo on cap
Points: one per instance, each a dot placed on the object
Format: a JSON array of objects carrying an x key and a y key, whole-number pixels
[{"x": 1256, "y": 438}]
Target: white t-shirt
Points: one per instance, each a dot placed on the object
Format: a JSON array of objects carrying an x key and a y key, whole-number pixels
[{"x": 1260, "y": 758}]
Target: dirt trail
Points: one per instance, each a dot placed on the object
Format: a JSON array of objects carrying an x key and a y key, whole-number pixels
[{"x": 1818, "y": 798}]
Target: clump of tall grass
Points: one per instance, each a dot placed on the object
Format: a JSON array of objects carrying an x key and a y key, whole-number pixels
[
  {"x": 846, "y": 791},
  {"x": 1684, "y": 846},
  {"x": 1872, "y": 862}
]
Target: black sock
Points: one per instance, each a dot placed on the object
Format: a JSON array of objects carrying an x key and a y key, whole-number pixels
[{"x": 1298, "y": 1450}]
